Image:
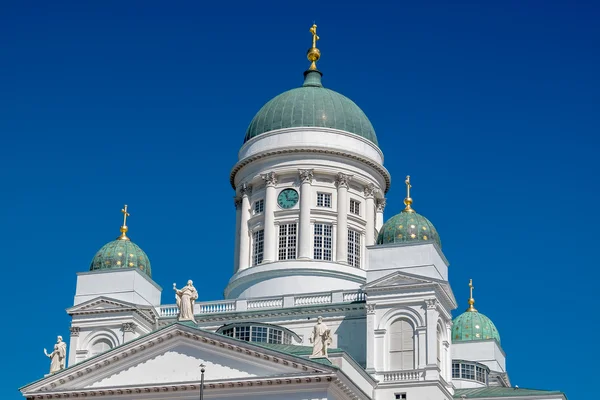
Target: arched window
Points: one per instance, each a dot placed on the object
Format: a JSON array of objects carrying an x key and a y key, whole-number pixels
[
  {"x": 100, "y": 346},
  {"x": 401, "y": 345}
]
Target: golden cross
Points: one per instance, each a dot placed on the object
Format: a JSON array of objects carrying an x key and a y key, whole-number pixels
[
  {"x": 313, "y": 30},
  {"x": 125, "y": 215},
  {"x": 408, "y": 186},
  {"x": 471, "y": 287}
]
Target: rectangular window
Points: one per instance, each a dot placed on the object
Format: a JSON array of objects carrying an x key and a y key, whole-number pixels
[
  {"x": 480, "y": 374},
  {"x": 287, "y": 241},
  {"x": 353, "y": 248},
  {"x": 324, "y": 200},
  {"x": 259, "y": 334},
  {"x": 455, "y": 370},
  {"x": 400, "y": 396},
  {"x": 323, "y": 242},
  {"x": 258, "y": 246},
  {"x": 259, "y": 206},
  {"x": 468, "y": 371},
  {"x": 355, "y": 207},
  {"x": 275, "y": 336},
  {"x": 243, "y": 333}
]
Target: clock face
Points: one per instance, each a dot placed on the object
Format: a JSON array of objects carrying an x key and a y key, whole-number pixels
[{"x": 287, "y": 198}]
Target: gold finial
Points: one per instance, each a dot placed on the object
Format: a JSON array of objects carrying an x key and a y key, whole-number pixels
[
  {"x": 408, "y": 201},
  {"x": 313, "y": 53},
  {"x": 124, "y": 227},
  {"x": 471, "y": 299}
]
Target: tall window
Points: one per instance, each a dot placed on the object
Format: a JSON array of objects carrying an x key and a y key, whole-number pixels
[
  {"x": 287, "y": 241},
  {"x": 355, "y": 207},
  {"x": 259, "y": 206},
  {"x": 323, "y": 242},
  {"x": 401, "y": 345},
  {"x": 324, "y": 200},
  {"x": 258, "y": 246},
  {"x": 353, "y": 248}
]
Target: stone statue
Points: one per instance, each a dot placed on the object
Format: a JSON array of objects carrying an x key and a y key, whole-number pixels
[
  {"x": 320, "y": 338},
  {"x": 186, "y": 298},
  {"x": 58, "y": 356}
]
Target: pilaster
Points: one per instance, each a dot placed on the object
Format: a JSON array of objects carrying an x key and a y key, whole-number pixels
[
  {"x": 237, "y": 201},
  {"x": 270, "y": 199},
  {"x": 342, "y": 183},
  {"x": 244, "y": 236},
  {"x": 369, "y": 192},
  {"x": 380, "y": 204},
  {"x": 306, "y": 178}
]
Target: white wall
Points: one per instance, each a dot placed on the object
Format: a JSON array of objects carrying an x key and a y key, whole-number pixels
[{"x": 128, "y": 285}]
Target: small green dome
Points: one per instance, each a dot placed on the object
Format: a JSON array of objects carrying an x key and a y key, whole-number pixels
[
  {"x": 119, "y": 254},
  {"x": 408, "y": 227},
  {"x": 472, "y": 325},
  {"x": 311, "y": 105}
]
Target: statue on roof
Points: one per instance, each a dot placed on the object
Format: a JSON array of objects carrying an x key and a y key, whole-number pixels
[
  {"x": 58, "y": 356},
  {"x": 186, "y": 298},
  {"x": 320, "y": 338}
]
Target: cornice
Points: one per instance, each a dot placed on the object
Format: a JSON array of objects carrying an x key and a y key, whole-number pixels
[
  {"x": 146, "y": 313},
  {"x": 294, "y": 150}
]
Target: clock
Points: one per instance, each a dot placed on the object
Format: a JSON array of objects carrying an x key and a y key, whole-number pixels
[{"x": 287, "y": 198}]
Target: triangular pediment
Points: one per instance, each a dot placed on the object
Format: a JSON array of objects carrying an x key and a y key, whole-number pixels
[
  {"x": 172, "y": 356},
  {"x": 399, "y": 279},
  {"x": 101, "y": 304}
]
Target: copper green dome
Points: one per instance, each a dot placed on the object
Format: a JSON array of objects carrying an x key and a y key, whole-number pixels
[
  {"x": 311, "y": 105},
  {"x": 408, "y": 226},
  {"x": 472, "y": 325},
  {"x": 120, "y": 254}
]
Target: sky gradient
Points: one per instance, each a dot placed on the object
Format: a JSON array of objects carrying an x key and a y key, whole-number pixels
[{"x": 491, "y": 107}]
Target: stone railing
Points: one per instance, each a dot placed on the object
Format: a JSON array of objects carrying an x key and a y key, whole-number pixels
[
  {"x": 225, "y": 306},
  {"x": 406, "y": 375}
]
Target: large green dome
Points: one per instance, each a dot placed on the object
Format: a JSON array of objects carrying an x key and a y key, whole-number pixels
[
  {"x": 311, "y": 105},
  {"x": 472, "y": 325},
  {"x": 119, "y": 254},
  {"x": 408, "y": 227}
]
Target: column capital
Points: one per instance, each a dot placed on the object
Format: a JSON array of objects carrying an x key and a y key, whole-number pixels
[
  {"x": 237, "y": 202},
  {"x": 380, "y": 204},
  {"x": 128, "y": 327},
  {"x": 370, "y": 190},
  {"x": 245, "y": 189},
  {"x": 74, "y": 330},
  {"x": 431, "y": 304},
  {"x": 306, "y": 175},
  {"x": 370, "y": 308},
  {"x": 270, "y": 178},
  {"x": 343, "y": 180}
]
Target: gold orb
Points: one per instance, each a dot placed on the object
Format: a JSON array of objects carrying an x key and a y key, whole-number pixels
[{"x": 313, "y": 54}]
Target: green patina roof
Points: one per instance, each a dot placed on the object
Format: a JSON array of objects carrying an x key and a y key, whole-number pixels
[
  {"x": 121, "y": 254},
  {"x": 472, "y": 325},
  {"x": 485, "y": 392},
  {"x": 408, "y": 227},
  {"x": 311, "y": 105}
]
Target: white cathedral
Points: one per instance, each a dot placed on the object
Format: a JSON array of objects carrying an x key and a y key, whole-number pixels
[{"x": 327, "y": 301}]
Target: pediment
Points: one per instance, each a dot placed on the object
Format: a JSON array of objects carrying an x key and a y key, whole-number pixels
[
  {"x": 399, "y": 279},
  {"x": 101, "y": 304},
  {"x": 172, "y": 356}
]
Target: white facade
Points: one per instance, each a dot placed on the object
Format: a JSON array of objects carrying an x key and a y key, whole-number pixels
[{"x": 297, "y": 256}]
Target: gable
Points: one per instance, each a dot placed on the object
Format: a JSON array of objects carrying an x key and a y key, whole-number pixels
[
  {"x": 398, "y": 279},
  {"x": 173, "y": 355},
  {"x": 103, "y": 304}
]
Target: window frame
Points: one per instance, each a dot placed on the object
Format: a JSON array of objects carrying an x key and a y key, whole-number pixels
[
  {"x": 354, "y": 248},
  {"x": 260, "y": 204},
  {"x": 288, "y": 249},
  {"x": 326, "y": 199},
  {"x": 323, "y": 241},
  {"x": 355, "y": 207},
  {"x": 258, "y": 246}
]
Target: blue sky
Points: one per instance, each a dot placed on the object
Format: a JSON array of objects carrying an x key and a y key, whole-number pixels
[{"x": 491, "y": 107}]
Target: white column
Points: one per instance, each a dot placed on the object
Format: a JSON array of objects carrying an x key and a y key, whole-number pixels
[
  {"x": 244, "y": 237},
  {"x": 371, "y": 350},
  {"x": 380, "y": 204},
  {"x": 341, "y": 254},
  {"x": 370, "y": 214},
  {"x": 270, "y": 199},
  {"x": 73, "y": 345},
  {"x": 237, "y": 201},
  {"x": 432, "y": 317},
  {"x": 381, "y": 350},
  {"x": 447, "y": 346},
  {"x": 306, "y": 177},
  {"x": 421, "y": 346}
]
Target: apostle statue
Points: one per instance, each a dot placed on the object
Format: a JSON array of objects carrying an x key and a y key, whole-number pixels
[
  {"x": 186, "y": 298},
  {"x": 58, "y": 356},
  {"x": 320, "y": 338}
]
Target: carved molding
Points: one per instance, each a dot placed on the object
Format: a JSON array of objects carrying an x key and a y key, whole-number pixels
[
  {"x": 431, "y": 303},
  {"x": 380, "y": 203},
  {"x": 370, "y": 308},
  {"x": 128, "y": 327},
  {"x": 245, "y": 189},
  {"x": 75, "y": 330},
  {"x": 343, "y": 180},
  {"x": 270, "y": 178},
  {"x": 370, "y": 190},
  {"x": 306, "y": 175}
]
